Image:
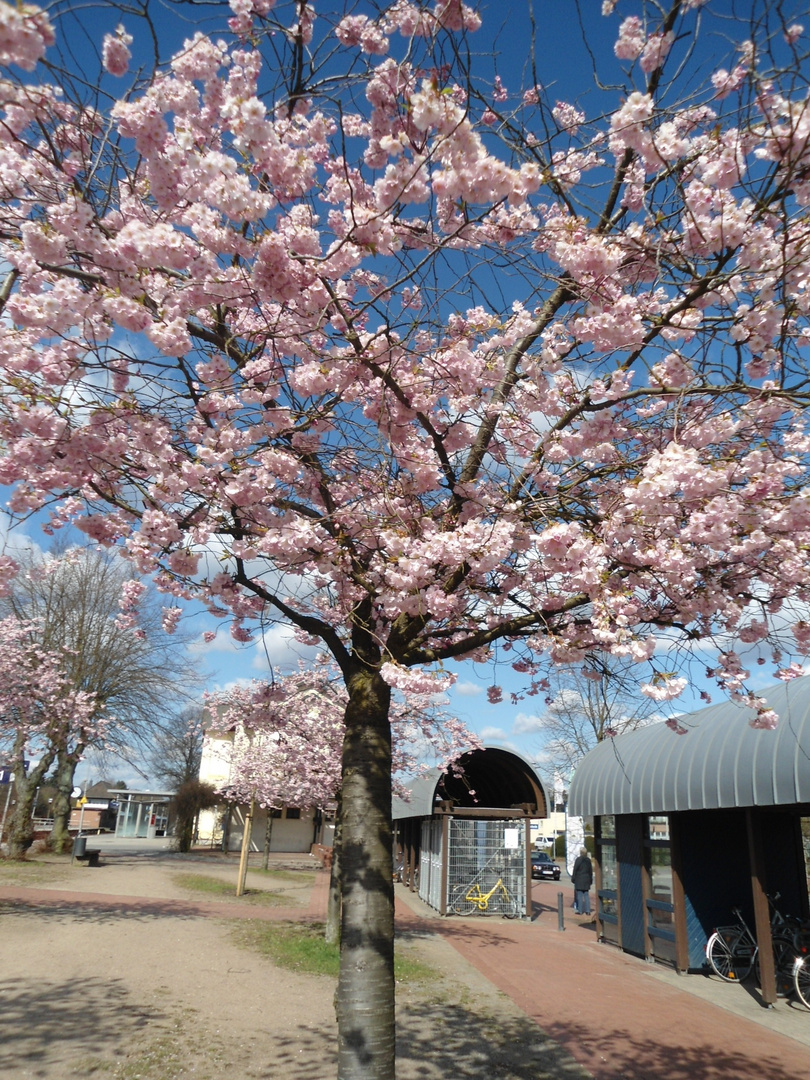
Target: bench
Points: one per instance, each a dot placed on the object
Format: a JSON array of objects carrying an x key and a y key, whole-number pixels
[{"x": 90, "y": 857}]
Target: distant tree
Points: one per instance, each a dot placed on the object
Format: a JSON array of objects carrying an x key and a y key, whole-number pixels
[
  {"x": 590, "y": 704},
  {"x": 177, "y": 748},
  {"x": 40, "y": 710},
  {"x": 113, "y": 642},
  {"x": 191, "y": 797}
]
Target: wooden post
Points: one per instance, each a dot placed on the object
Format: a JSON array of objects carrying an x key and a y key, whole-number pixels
[
  {"x": 243, "y": 858},
  {"x": 762, "y": 915},
  {"x": 678, "y": 896}
]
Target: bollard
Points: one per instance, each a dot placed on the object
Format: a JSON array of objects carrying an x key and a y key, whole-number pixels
[{"x": 560, "y": 909}]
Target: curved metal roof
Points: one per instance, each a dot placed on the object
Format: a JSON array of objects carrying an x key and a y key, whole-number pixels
[
  {"x": 500, "y": 778},
  {"x": 720, "y": 762}
]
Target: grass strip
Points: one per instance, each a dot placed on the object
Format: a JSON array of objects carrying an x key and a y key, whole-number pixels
[
  {"x": 226, "y": 890},
  {"x": 301, "y": 947}
]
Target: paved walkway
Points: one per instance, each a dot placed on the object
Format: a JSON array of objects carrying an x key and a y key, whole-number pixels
[{"x": 620, "y": 1018}]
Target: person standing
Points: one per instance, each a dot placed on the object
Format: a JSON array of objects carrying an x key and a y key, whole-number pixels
[{"x": 582, "y": 877}]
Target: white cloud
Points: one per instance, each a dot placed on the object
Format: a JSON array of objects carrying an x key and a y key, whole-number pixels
[
  {"x": 467, "y": 689},
  {"x": 280, "y": 649},
  {"x": 526, "y": 724},
  {"x": 492, "y": 733}
]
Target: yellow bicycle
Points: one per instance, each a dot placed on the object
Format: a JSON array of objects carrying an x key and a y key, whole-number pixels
[{"x": 469, "y": 898}]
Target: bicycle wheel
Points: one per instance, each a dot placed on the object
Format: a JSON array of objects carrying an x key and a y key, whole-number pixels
[
  {"x": 508, "y": 905},
  {"x": 511, "y": 910},
  {"x": 459, "y": 903},
  {"x": 729, "y": 957},
  {"x": 784, "y": 958},
  {"x": 801, "y": 981}
]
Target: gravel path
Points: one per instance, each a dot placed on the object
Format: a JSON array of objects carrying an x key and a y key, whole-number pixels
[{"x": 122, "y": 972}]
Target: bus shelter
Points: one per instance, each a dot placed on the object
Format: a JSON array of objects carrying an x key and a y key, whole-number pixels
[
  {"x": 688, "y": 826},
  {"x": 143, "y": 814},
  {"x": 470, "y": 828}
]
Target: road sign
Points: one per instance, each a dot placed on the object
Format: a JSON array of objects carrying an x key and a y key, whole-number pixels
[
  {"x": 6, "y": 776},
  {"x": 76, "y": 793}
]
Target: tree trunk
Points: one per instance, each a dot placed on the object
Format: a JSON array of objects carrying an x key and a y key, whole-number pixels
[
  {"x": 332, "y": 934},
  {"x": 365, "y": 995},
  {"x": 21, "y": 828},
  {"x": 268, "y": 836},
  {"x": 65, "y": 772}
]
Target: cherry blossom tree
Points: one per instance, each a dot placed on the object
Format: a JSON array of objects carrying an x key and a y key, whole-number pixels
[
  {"x": 288, "y": 738},
  {"x": 420, "y": 358},
  {"x": 40, "y": 709},
  {"x": 73, "y": 598}
]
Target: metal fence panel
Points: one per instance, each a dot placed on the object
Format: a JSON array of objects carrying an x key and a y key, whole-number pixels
[
  {"x": 430, "y": 863},
  {"x": 480, "y": 854}
]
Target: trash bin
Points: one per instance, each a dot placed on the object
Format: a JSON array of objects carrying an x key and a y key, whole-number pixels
[{"x": 79, "y": 846}]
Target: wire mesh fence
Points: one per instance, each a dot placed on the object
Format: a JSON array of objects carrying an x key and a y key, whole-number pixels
[{"x": 486, "y": 867}]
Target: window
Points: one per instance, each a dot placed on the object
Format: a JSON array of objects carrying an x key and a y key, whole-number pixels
[
  {"x": 660, "y": 903},
  {"x": 606, "y": 854}
]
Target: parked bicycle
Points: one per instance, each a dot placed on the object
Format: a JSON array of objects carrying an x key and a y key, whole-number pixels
[
  {"x": 733, "y": 952},
  {"x": 801, "y": 967},
  {"x": 469, "y": 898}
]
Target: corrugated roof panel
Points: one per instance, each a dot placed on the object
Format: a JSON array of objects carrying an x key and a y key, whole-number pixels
[{"x": 721, "y": 762}]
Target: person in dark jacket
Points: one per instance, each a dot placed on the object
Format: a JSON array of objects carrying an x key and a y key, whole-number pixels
[{"x": 582, "y": 877}]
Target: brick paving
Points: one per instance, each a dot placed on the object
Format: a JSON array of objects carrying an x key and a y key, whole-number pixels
[{"x": 620, "y": 1018}]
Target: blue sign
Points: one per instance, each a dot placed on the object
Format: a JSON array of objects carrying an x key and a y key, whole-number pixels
[{"x": 6, "y": 776}]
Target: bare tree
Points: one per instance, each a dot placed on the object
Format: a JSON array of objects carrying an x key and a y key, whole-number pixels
[
  {"x": 589, "y": 705},
  {"x": 177, "y": 748},
  {"x": 133, "y": 672}
]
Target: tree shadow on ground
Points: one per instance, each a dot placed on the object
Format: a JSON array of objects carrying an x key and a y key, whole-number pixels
[
  {"x": 620, "y": 1054},
  {"x": 43, "y": 1019},
  {"x": 466, "y": 1040},
  {"x": 103, "y": 911}
]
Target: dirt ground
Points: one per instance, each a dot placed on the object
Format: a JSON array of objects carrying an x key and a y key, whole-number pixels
[{"x": 123, "y": 990}]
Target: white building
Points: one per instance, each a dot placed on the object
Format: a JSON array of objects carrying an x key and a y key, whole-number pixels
[{"x": 293, "y": 829}]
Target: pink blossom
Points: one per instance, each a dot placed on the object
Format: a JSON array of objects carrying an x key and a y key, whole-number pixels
[
  {"x": 25, "y": 33},
  {"x": 656, "y": 51},
  {"x": 631, "y": 39},
  {"x": 664, "y": 687},
  {"x": 678, "y": 728},
  {"x": 726, "y": 83},
  {"x": 793, "y": 33},
  {"x": 170, "y": 618},
  {"x": 765, "y": 720},
  {"x": 115, "y": 52}
]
